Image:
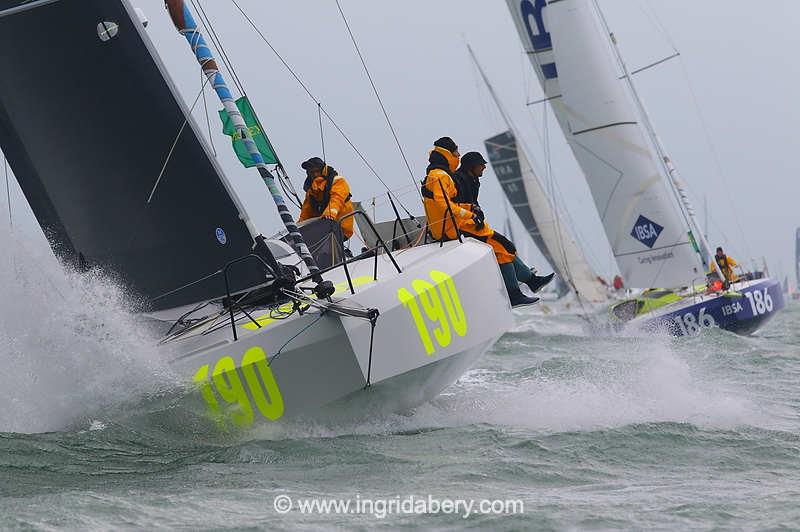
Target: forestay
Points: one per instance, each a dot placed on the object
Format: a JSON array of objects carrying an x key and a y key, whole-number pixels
[
  {"x": 531, "y": 203},
  {"x": 87, "y": 155},
  {"x": 572, "y": 58}
]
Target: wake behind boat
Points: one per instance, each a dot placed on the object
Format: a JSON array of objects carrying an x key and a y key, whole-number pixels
[{"x": 260, "y": 328}]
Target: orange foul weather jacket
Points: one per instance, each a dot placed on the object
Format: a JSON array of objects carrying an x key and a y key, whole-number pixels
[
  {"x": 328, "y": 196},
  {"x": 438, "y": 190},
  {"x": 726, "y": 264}
]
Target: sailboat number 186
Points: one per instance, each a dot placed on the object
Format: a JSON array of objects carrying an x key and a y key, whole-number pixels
[{"x": 436, "y": 302}]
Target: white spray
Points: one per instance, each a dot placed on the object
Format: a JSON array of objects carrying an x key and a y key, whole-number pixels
[{"x": 69, "y": 346}]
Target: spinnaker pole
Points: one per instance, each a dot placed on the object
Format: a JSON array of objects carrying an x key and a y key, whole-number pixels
[{"x": 186, "y": 25}]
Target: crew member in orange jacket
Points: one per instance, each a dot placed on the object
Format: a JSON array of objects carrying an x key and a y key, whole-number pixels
[
  {"x": 327, "y": 195},
  {"x": 439, "y": 194},
  {"x": 726, "y": 265}
]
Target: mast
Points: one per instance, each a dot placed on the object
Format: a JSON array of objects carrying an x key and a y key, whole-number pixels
[
  {"x": 675, "y": 180},
  {"x": 186, "y": 25},
  {"x": 489, "y": 86}
]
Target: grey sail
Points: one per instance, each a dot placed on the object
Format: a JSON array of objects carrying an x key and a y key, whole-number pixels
[{"x": 87, "y": 154}]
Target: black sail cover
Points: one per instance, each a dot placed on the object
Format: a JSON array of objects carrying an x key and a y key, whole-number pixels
[
  {"x": 87, "y": 124},
  {"x": 502, "y": 152}
]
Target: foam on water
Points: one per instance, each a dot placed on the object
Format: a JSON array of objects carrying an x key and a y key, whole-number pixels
[
  {"x": 69, "y": 345},
  {"x": 592, "y": 431},
  {"x": 553, "y": 384}
]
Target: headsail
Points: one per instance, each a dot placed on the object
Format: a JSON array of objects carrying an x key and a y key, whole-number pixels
[
  {"x": 533, "y": 207},
  {"x": 572, "y": 58},
  {"x": 88, "y": 154}
]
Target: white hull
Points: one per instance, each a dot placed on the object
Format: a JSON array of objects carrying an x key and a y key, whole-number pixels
[{"x": 325, "y": 359}]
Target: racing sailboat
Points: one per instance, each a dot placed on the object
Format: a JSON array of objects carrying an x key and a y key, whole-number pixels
[
  {"x": 120, "y": 178},
  {"x": 644, "y": 209},
  {"x": 536, "y": 209}
]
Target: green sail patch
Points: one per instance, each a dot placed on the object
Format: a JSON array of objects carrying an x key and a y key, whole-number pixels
[{"x": 262, "y": 142}]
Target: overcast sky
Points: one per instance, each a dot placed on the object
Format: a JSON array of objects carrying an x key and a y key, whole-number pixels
[{"x": 725, "y": 110}]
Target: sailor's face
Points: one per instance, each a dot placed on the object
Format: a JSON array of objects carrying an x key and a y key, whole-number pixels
[
  {"x": 313, "y": 172},
  {"x": 478, "y": 170}
]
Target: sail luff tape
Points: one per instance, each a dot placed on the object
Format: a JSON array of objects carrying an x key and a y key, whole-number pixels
[{"x": 25, "y": 7}]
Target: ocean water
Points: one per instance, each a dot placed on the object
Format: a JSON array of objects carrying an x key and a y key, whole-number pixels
[{"x": 584, "y": 431}]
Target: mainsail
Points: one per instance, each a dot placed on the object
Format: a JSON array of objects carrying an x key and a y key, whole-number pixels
[
  {"x": 531, "y": 203},
  {"x": 797, "y": 259},
  {"x": 87, "y": 155},
  {"x": 572, "y": 58}
]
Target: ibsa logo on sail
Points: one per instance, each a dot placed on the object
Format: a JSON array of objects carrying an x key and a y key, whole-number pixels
[{"x": 646, "y": 231}]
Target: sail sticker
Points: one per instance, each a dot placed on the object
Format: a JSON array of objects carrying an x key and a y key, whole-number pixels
[
  {"x": 538, "y": 34},
  {"x": 549, "y": 71},
  {"x": 107, "y": 30},
  {"x": 646, "y": 231},
  {"x": 222, "y": 238}
]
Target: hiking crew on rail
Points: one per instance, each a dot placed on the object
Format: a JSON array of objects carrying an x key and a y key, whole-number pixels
[{"x": 441, "y": 197}]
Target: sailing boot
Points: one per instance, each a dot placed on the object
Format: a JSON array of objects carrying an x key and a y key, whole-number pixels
[
  {"x": 538, "y": 282},
  {"x": 515, "y": 295},
  {"x": 526, "y": 275}
]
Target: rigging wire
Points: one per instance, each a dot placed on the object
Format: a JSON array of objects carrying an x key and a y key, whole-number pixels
[
  {"x": 562, "y": 204},
  {"x": 672, "y": 182},
  {"x": 8, "y": 192},
  {"x": 556, "y": 218},
  {"x": 377, "y": 94},
  {"x": 550, "y": 198},
  {"x": 319, "y": 104},
  {"x": 703, "y": 123},
  {"x": 321, "y": 132},
  {"x": 208, "y": 118},
  {"x": 283, "y": 178},
  {"x": 175, "y": 142},
  {"x": 223, "y": 53}
]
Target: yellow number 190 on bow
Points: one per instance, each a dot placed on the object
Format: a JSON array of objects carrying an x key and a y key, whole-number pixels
[{"x": 441, "y": 305}]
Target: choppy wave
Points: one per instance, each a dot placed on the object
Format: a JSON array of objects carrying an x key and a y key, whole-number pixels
[{"x": 591, "y": 431}]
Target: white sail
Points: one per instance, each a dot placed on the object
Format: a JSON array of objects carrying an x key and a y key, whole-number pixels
[
  {"x": 533, "y": 206},
  {"x": 573, "y": 60}
]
